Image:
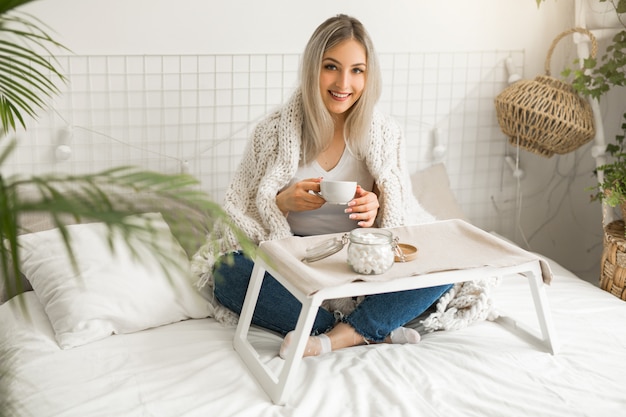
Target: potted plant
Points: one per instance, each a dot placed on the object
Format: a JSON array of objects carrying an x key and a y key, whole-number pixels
[
  {"x": 27, "y": 78},
  {"x": 593, "y": 78},
  {"x": 612, "y": 188}
]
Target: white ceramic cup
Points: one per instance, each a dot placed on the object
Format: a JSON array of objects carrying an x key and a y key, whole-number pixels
[{"x": 337, "y": 192}]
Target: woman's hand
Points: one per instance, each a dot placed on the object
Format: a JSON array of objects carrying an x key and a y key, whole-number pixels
[
  {"x": 297, "y": 197},
  {"x": 364, "y": 207}
]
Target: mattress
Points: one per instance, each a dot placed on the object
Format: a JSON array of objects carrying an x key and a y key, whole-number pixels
[{"x": 189, "y": 368}]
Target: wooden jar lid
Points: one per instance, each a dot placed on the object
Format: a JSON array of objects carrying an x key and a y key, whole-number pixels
[{"x": 409, "y": 252}]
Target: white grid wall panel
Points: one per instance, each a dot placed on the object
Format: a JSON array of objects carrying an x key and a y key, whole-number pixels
[{"x": 195, "y": 113}]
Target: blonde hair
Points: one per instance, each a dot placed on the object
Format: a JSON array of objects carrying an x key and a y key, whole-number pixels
[{"x": 318, "y": 125}]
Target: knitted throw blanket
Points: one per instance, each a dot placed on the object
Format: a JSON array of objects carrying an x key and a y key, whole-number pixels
[
  {"x": 270, "y": 161},
  {"x": 465, "y": 303}
]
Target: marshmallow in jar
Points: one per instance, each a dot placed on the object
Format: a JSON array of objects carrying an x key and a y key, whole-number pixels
[{"x": 371, "y": 251}]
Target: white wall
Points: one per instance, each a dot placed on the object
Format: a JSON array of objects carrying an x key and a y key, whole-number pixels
[
  {"x": 556, "y": 217},
  {"x": 283, "y": 26}
]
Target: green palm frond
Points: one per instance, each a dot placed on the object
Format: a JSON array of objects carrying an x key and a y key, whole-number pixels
[
  {"x": 110, "y": 197},
  {"x": 26, "y": 74},
  {"x": 114, "y": 197},
  {"x": 9, "y": 267},
  {"x": 27, "y": 79}
]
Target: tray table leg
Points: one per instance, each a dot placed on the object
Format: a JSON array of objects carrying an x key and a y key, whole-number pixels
[
  {"x": 540, "y": 299},
  {"x": 277, "y": 387},
  {"x": 546, "y": 338}
]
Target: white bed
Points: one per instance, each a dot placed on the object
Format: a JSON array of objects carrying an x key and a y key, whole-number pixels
[{"x": 189, "y": 367}]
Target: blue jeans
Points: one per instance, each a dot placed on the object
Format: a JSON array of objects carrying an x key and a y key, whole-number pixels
[{"x": 278, "y": 310}]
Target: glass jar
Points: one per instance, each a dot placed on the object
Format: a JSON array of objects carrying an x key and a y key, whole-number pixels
[{"x": 371, "y": 251}]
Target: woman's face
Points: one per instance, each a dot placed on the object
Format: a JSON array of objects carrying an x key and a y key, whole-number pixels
[{"x": 342, "y": 76}]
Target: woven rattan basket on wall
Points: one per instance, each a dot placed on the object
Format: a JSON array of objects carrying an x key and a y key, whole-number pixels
[
  {"x": 546, "y": 115},
  {"x": 613, "y": 264}
]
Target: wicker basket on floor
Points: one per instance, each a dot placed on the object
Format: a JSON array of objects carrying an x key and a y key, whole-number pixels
[
  {"x": 546, "y": 115},
  {"x": 613, "y": 265}
]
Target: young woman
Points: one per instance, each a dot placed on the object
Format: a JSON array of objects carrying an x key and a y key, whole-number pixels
[{"x": 328, "y": 129}]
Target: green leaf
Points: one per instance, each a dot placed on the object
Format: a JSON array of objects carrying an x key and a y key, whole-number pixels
[
  {"x": 23, "y": 72},
  {"x": 612, "y": 190},
  {"x": 612, "y": 148},
  {"x": 589, "y": 63}
]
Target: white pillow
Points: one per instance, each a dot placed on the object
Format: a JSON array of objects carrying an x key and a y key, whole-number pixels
[
  {"x": 115, "y": 291},
  {"x": 431, "y": 187}
]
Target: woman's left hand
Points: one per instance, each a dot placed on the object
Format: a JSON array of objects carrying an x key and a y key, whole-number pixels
[{"x": 364, "y": 207}]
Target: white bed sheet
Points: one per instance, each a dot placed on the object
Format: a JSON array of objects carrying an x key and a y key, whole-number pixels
[{"x": 190, "y": 368}]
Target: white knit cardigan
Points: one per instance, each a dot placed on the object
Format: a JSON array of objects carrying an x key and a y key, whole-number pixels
[{"x": 270, "y": 161}]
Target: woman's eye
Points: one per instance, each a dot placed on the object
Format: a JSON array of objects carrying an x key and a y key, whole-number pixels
[
  {"x": 358, "y": 70},
  {"x": 330, "y": 67}
]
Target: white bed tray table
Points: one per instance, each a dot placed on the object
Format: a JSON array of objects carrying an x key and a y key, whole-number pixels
[{"x": 450, "y": 251}]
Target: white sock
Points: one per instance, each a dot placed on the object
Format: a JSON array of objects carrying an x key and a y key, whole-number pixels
[
  {"x": 315, "y": 346},
  {"x": 403, "y": 335}
]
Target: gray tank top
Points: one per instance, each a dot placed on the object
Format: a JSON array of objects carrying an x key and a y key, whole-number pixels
[{"x": 329, "y": 218}]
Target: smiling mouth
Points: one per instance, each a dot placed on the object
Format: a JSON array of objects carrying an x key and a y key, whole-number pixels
[{"x": 339, "y": 95}]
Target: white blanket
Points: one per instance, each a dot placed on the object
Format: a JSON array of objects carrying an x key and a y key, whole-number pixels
[{"x": 190, "y": 368}]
